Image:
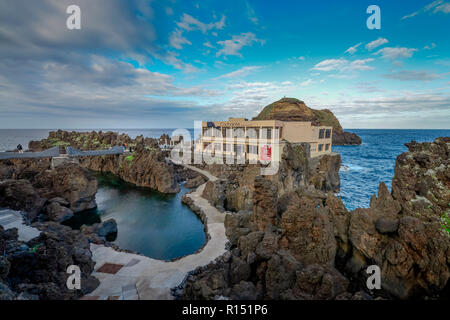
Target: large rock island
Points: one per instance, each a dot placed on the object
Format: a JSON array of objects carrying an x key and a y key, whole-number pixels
[{"x": 291, "y": 109}]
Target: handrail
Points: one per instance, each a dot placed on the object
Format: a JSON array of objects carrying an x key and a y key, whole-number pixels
[{"x": 49, "y": 153}]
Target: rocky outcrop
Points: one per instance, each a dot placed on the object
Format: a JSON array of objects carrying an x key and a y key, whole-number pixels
[
  {"x": 20, "y": 195},
  {"x": 53, "y": 194},
  {"x": 406, "y": 233},
  {"x": 195, "y": 182},
  {"x": 38, "y": 269},
  {"x": 71, "y": 182},
  {"x": 234, "y": 191},
  {"x": 291, "y": 109},
  {"x": 421, "y": 181},
  {"x": 345, "y": 138},
  {"x": 145, "y": 166},
  {"x": 304, "y": 244}
]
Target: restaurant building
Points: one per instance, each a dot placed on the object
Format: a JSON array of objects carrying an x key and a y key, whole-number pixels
[{"x": 256, "y": 139}]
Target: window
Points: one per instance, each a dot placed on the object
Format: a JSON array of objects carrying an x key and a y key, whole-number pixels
[
  {"x": 239, "y": 132},
  {"x": 327, "y": 147},
  {"x": 321, "y": 133},
  {"x": 320, "y": 147},
  {"x": 253, "y": 149},
  {"x": 239, "y": 148},
  {"x": 328, "y": 133},
  {"x": 253, "y": 133}
]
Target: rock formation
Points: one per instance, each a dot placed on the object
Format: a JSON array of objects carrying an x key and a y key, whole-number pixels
[
  {"x": 56, "y": 194},
  {"x": 291, "y": 109},
  {"x": 38, "y": 269},
  {"x": 145, "y": 166},
  {"x": 304, "y": 244},
  {"x": 235, "y": 189}
]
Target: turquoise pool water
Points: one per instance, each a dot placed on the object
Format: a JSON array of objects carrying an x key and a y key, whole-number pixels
[{"x": 156, "y": 225}]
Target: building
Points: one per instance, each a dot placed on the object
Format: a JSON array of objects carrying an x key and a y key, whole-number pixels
[{"x": 240, "y": 137}]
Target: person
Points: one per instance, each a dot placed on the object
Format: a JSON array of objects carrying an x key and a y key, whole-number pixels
[{"x": 20, "y": 148}]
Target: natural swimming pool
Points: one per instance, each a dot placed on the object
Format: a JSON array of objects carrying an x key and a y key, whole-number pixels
[{"x": 156, "y": 225}]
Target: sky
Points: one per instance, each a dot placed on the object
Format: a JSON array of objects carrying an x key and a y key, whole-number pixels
[{"x": 168, "y": 63}]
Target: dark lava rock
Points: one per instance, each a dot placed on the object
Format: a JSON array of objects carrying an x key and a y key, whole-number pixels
[
  {"x": 107, "y": 228},
  {"x": 387, "y": 225},
  {"x": 20, "y": 195}
]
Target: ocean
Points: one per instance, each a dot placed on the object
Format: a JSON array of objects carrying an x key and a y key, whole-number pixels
[{"x": 364, "y": 166}]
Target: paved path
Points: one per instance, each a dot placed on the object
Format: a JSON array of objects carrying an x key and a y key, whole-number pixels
[
  {"x": 12, "y": 219},
  {"x": 126, "y": 276}
]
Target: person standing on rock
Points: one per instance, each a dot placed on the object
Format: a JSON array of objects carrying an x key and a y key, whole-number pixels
[{"x": 20, "y": 148}]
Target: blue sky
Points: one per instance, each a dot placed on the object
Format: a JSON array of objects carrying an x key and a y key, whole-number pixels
[{"x": 155, "y": 64}]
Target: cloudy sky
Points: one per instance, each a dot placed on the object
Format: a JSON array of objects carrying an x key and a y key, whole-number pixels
[{"x": 166, "y": 63}]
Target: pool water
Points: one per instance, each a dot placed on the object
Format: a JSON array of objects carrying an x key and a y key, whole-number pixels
[{"x": 156, "y": 225}]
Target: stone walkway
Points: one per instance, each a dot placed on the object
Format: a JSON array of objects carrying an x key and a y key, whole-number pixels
[
  {"x": 125, "y": 276},
  {"x": 13, "y": 219}
]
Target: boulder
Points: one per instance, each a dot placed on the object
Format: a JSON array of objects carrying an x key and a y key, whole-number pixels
[
  {"x": 106, "y": 228},
  {"x": 387, "y": 225},
  {"x": 195, "y": 182},
  {"x": 40, "y": 270},
  {"x": 20, "y": 195},
  {"x": 56, "y": 212},
  {"x": 318, "y": 282},
  {"x": 244, "y": 290},
  {"x": 71, "y": 182}
]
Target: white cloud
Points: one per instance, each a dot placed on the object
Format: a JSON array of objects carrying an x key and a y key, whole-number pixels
[
  {"x": 232, "y": 46},
  {"x": 407, "y": 75},
  {"x": 330, "y": 64},
  {"x": 240, "y": 73},
  {"x": 251, "y": 13},
  {"x": 209, "y": 45},
  {"x": 434, "y": 7},
  {"x": 176, "y": 39},
  {"x": 301, "y": 58},
  {"x": 431, "y": 46},
  {"x": 394, "y": 53},
  {"x": 358, "y": 65},
  {"x": 306, "y": 82},
  {"x": 353, "y": 49},
  {"x": 189, "y": 23},
  {"x": 376, "y": 43},
  {"x": 343, "y": 65}
]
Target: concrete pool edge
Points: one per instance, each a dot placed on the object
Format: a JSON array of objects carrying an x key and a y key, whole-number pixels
[{"x": 144, "y": 278}]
